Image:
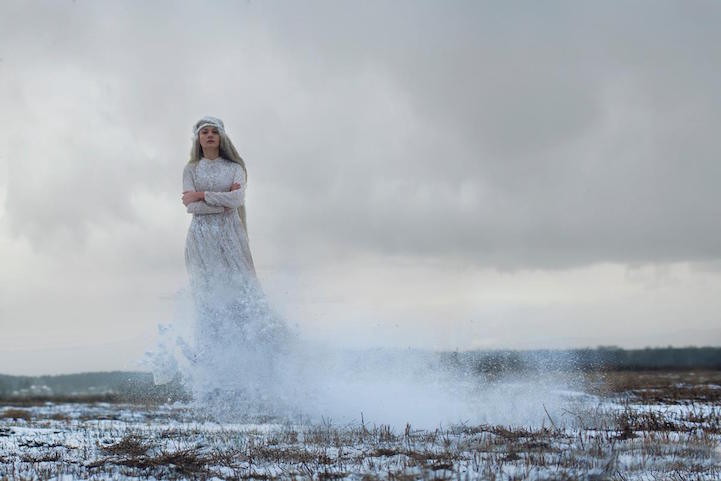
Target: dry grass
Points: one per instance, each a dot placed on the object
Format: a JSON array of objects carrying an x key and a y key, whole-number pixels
[
  {"x": 39, "y": 400},
  {"x": 629, "y": 435},
  {"x": 131, "y": 444},
  {"x": 11, "y": 413},
  {"x": 660, "y": 387}
]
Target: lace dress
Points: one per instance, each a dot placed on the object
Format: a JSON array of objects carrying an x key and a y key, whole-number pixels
[
  {"x": 235, "y": 330},
  {"x": 217, "y": 243}
]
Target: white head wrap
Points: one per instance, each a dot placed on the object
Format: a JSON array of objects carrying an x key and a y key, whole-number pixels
[{"x": 208, "y": 120}]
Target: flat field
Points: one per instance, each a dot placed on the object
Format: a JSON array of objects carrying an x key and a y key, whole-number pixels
[{"x": 625, "y": 426}]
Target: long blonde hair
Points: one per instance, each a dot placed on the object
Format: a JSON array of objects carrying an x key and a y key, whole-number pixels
[{"x": 227, "y": 151}]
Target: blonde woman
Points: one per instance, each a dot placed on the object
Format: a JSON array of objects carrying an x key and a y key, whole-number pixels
[
  {"x": 214, "y": 182},
  {"x": 235, "y": 331}
]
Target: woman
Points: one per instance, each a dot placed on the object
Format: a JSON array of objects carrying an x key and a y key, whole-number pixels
[
  {"x": 214, "y": 183},
  {"x": 236, "y": 333}
]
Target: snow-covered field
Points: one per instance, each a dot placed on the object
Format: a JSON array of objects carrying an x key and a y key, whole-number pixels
[{"x": 630, "y": 426}]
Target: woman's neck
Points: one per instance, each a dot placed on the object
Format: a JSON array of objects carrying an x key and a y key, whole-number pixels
[{"x": 211, "y": 154}]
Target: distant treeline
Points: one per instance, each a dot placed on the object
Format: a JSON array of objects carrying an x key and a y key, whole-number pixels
[
  {"x": 139, "y": 387},
  {"x": 117, "y": 386},
  {"x": 614, "y": 358},
  {"x": 601, "y": 358}
]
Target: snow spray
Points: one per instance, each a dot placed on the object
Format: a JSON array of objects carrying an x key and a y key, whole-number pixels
[{"x": 250, "y": 372}]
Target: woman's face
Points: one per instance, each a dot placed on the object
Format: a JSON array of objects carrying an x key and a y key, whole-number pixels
[{"x": 209, "y": 137}]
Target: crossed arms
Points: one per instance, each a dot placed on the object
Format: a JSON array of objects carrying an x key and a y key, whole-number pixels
[{"x": 212, "y": 202}]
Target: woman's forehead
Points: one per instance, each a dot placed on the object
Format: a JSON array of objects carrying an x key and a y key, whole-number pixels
[{"x": 206, "y": 127}]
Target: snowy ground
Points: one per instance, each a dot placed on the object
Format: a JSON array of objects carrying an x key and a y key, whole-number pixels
[{"x": 629, "y": 426}]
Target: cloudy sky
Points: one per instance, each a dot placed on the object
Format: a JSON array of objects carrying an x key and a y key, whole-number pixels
[{"x": 442, "y": 175}]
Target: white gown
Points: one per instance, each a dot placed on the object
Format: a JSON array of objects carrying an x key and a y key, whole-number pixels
[
  {"x": 217, "y": 243},
  {"x": 236, "y": 332}
]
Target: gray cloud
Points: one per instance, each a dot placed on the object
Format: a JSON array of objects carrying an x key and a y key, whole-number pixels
[
  {"x": 521, "y": 135},
  {"x": 400, "y": 155},
  {"x": 588, "y": 135}
]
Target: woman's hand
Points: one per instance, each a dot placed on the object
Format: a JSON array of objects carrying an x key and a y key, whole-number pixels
[
  {"x": 233, "y": 187},
  {"x": 189, "y": 196}
]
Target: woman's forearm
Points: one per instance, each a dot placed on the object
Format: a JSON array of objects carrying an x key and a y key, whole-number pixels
[
  {"x": 234, "y": 198},
  {"x": 200, "y": 207}
]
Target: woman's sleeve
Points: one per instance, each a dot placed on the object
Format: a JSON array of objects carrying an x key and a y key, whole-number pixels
[
  {"x": 234, "y": 198},
  {"x": 199, "y": 207}
]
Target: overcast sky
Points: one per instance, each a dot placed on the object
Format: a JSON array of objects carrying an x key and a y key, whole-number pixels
[{"x": 442, "y": 175}]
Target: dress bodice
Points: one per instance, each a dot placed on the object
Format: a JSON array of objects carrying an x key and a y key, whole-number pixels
[{"x": 215, "y": 175}]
